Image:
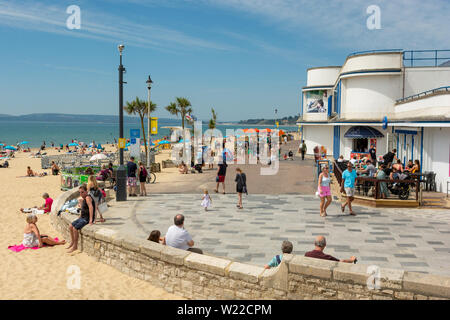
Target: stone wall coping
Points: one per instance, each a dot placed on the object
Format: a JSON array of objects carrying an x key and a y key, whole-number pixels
[
  {"x": 427, "y": 284},
  {"x": 245, "y": 272},
  {"x": 174, "y": 255},
  {"x": 312, "y": 267},
  {"x": 207, "y": 263},
  {"x": 408, "y": 283}
]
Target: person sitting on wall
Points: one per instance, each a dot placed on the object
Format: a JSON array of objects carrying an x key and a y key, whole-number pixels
[
  {"x": 320, "y": 244},
  {"x": 155, "y": 236},
  {"x": 286, "y": 247},
  {"x": 178, "y": 237}
]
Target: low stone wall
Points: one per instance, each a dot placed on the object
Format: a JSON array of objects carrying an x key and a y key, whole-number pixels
[{"x": 196, "y": 276}]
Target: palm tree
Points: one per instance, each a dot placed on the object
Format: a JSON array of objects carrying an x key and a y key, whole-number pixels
[
  {"x": 140, "y": 107},
  {"x": 212, "y": 121},
  {"x": 182, "y": 106}
]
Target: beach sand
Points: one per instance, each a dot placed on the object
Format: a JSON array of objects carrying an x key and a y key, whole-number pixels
[{"x": 43, "y": 273}]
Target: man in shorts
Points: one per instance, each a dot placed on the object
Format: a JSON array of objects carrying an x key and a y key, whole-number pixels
[
  {"x": 131, "y": 177},
  {"x": 221, "y": 174},
  {"x": 348, "y": 184},
  {"x": 87, "y": 216}
]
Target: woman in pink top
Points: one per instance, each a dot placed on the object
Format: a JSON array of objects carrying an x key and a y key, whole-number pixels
[{"x": 47, "y": 207}]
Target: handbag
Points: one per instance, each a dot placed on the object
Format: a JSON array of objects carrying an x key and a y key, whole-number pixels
[{"x": 103, "y": 207}]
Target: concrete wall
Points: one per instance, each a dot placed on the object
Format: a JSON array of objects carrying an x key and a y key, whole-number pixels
[
  {"x": 197, "y": 276},
  {"x": 324, "y": 76},
  {"x": 369, "y": 97},
  {"x": 436, "y": 155},
  {"x": 373, "y": 61},
  {"x": 318, "y": 136},
  {"x": 422, "y": 79},
  {"x": 434, "y": 106}
]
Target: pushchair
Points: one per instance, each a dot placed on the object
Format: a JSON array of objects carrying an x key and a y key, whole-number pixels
[{"x": 400, "y": 188}]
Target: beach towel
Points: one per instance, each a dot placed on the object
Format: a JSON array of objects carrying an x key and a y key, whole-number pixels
[{"x": 20, "y": 247}]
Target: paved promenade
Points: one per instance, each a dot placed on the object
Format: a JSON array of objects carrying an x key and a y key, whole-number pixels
[{"x": 410, "y": 239}]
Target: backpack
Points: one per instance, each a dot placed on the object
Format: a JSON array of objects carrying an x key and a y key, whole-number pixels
[{"x": 144, "y": 172}]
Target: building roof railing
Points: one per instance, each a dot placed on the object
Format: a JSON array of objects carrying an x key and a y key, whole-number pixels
[
  {"x": 424, "y": 58},
  {"x": 424, "y": 94},
  {"x": 374, "y": 51}
]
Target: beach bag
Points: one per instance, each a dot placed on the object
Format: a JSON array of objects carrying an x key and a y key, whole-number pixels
[{"x": 102, "y": 207}]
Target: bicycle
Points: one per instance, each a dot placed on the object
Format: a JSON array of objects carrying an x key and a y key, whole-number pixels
[{"x": 151, "y": 177}]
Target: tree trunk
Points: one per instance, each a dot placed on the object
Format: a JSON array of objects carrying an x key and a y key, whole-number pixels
[
  {"x": 182, "y": 121},
  {"x": 145, "y": 139}
]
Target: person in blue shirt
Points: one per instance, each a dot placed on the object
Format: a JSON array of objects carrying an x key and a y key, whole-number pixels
[
  {"x": 286, "y": 247},
  {"x": 348, "y": 184}
]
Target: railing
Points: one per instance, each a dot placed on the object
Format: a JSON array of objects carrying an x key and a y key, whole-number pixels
[
  {"x": 374, "y": 51},
  {"x": 396, "y": 189},
  {"x": 431, "y": 56},
  {"x": 424, "y": 94}
]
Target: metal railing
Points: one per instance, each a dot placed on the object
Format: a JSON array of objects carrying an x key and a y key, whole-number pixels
[
  {"x": 396, "y": 189},
  {"x": 424, "y": 94},
  {"x": 432, "y": 56},
  {"x": 375, "y": 51}
]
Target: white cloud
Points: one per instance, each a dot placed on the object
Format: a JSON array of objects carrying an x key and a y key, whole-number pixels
[
  {"x": 407, "y": 24},
  {"x": 99, "y": 26}
]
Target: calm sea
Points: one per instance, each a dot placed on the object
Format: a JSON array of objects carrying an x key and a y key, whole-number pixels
[{"x": 13, "y": 132}]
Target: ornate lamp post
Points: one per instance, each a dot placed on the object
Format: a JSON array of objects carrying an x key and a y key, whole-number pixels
[{"x": 149, "y": 86}]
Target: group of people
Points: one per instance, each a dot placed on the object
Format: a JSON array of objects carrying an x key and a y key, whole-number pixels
[
  {"x": 319, "y": 246},
  {"x": 176, "y": 236},
  {"x": 133, "y": 173}
]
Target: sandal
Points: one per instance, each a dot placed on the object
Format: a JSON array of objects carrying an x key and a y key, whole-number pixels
[{"x": 216, "y": 191}]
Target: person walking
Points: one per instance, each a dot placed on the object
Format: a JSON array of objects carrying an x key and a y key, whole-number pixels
[
  {"x": 221, "y": 173},
  {"x": 131, "y": 175},
  {"x": 324, "y": 190},
  {"x": 348, "y": 183},
  {"x": 302, "y": 149},
  {"x": 142, "y": 173},
  {"x": 206, "y": 200},
  {"x": 241, "y": 186}
]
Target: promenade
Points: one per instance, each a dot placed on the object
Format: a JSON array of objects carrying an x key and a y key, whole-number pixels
[{"x": 408, "y": 239}]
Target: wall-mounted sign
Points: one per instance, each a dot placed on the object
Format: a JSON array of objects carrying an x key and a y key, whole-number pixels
[{"x": 316, "y": 101}]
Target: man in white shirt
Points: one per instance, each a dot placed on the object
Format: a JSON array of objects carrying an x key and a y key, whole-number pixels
[{"x": 178, "y": 237}]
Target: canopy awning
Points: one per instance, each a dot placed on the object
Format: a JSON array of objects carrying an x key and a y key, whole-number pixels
[{"x": 359, "y": 132}]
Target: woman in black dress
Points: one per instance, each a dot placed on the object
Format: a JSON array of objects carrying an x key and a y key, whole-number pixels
[
  {"x": 241, "y": 186},
  {"x": 142, "y": 172}
]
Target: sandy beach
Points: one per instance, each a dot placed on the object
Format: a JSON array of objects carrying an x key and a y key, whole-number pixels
[{"x": 42, "y": 273}]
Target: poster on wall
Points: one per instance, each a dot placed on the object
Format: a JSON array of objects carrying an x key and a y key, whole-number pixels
[{"x": 316, "y": 101}]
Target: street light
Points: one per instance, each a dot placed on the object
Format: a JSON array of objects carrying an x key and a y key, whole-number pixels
[
  {"x": 121, "y": 193},
  {"x": 149, "y": 86}
]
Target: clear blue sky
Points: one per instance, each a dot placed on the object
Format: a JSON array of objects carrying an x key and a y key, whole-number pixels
[{"x": 243, "y": 57}]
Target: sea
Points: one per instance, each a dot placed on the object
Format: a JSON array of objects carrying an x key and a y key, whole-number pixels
[{"x": 14, "y": 132}]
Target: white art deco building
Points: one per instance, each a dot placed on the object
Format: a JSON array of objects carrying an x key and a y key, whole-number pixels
[{"x": 392, "y": 99}]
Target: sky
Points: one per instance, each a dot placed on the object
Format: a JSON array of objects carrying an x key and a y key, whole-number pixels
[{"x": 244, "y": 58}]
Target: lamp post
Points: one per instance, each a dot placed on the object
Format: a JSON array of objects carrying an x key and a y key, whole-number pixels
[
  {"x": 149, "y": 86},
  {"x": 121, "y": 193}
]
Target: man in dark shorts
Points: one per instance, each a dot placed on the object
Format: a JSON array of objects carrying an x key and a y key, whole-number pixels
[
  {"x": 317, "y": 253},
  {"x": 221, "y": 173},
  {"x": 131, "y": 175},
  {"x": 87, "y": 216}
]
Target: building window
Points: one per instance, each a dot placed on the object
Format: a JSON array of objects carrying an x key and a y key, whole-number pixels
[{"x": 360, "y": 145}]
